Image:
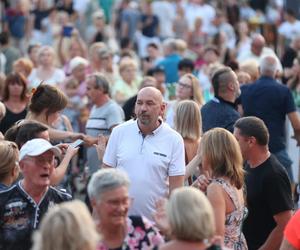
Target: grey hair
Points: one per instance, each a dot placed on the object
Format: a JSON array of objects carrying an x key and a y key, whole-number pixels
[
  {"x": 268, "y": 66},
  {"x": 101, "y": 81},
  {"x": 106, "y": 179},
  {"x": 170, "y": 43}
]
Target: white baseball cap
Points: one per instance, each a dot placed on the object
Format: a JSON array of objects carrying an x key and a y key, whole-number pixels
[{"x": 37, "y": 147}]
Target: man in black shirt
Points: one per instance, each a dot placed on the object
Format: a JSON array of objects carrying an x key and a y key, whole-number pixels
[
  {"x": 269, "y": 196},
  {"x": 23, "y": 205}
]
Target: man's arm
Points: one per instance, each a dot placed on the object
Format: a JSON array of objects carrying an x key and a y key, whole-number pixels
[
  {"x": 275, "y": 237},
  {"x": 175, "y": 182},
  {"x": 295, "y": 121}
]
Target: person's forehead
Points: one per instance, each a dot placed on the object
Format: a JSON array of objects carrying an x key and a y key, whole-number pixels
[
  {"x": 48, "y": 153},
  {"x": 147, "y": 95}
]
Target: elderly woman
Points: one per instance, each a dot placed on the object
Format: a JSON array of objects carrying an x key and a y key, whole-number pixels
[
  {"x": 9, "y": 166},
  {"x": 108, "y": 192},
  {"x": 191, "y": 228},
  {"x": 63, "y": 229},
  {"x": 223, "y": 181},
  {"x": 128, "y": 85},
  {"x": 187, "y": 88}
]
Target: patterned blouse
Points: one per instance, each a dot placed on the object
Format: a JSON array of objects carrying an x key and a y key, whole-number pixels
[
  {"x": 141, "y": 235},
  {"x": 233, "y": 237}
]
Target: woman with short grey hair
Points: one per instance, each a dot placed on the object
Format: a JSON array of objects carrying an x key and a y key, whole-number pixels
[{"x": 108, "y": 193}]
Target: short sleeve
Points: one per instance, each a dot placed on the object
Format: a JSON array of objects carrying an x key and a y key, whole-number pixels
[
  {"x": 292, "y": 231},
  {"x": 290, "y": 103},
  {"x": 110, "y": 155},
  {"x": 177, "y": 163},
  {"x": 278, "y": 194},
  {"x": 115, "y": 116}
]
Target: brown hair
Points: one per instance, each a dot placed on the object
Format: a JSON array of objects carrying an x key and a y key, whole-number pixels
[
  {"x": 47, "y": 97},
  {"x": 24, "y": 64},
  {"x": 223, "y": 152},
  {"x": 14, "y": 77}
]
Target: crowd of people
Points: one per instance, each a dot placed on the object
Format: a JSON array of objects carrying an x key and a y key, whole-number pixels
[{"x": 170, "y": 113}]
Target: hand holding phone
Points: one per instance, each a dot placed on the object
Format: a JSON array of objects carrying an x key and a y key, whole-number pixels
[
  {"x": 76, "y": 143},
  {"x": 67, "y": 31}
]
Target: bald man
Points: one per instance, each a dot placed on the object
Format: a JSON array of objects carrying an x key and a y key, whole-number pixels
[
  {"x": 149, "y": 151},
  {"x": 257, "y": 51}
]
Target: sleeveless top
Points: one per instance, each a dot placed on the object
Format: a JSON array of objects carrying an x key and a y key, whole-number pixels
[{"x": 233, "y": 237}]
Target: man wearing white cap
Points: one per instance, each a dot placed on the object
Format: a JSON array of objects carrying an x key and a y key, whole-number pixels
[{"x": 24, "y": 204}]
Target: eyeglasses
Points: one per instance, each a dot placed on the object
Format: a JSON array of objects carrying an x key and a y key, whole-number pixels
[
  {"x": 42, "y": 160},
  {"x": 184, "y": 85}
]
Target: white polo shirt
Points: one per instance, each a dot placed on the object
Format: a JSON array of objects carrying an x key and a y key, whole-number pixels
[{"x": 148, "y": 160}]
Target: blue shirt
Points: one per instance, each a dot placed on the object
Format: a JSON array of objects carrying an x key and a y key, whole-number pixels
[
  {"x": 170, "y": 64},
  {"x": 218, "y": 113},
  {"x": 270, "y": 101}
]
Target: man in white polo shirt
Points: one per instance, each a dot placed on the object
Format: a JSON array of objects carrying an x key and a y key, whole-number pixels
[{"x": 149, "y": 151}]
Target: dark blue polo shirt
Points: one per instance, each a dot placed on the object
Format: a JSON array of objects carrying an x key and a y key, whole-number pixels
[{"x": 271, "y": 101}]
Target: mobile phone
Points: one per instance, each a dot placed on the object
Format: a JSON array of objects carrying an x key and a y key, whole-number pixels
[
  {"x": 67, "y": 31},
  {"x": 76, "y": 143}
]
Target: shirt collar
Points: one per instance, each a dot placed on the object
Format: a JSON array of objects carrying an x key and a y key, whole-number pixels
[
  {"x": 220, "y": 99},
  {"x": 154, "y": 132}
]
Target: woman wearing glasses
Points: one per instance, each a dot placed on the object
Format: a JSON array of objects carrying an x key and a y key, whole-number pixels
[{"x": 187, "y": 88}]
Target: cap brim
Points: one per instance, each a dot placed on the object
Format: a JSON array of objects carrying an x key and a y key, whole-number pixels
[{"x": 54, "y": 149}]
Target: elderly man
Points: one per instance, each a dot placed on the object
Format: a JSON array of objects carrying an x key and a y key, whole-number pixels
[
  {"x": 149, "y": 151},
  {"x": 257, "y": 51},
  {"x": 23, "y": 205},
  {"x": 271, "y": 101},
  {"x": 269, "y": 196},
  {"x": 105, "y": 114},
  {"x": 221, "y": 111}
]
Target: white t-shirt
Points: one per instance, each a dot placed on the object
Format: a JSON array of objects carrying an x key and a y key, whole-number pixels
[
  {"x": 56, "y": 78},
  {"x": 100, "y": 121},
  {"x": 289, "y": 30},
  {"x": 148, "y": 161},
  {"x": 166, "y": 15}
]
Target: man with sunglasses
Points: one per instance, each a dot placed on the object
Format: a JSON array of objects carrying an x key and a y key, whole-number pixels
[{"x": 24, "y": 204}]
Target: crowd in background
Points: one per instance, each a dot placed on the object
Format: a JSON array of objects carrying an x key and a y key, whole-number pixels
[{"x": 174, "y": 93}]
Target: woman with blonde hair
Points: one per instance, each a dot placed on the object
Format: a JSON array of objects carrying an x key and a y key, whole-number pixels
[
  {"x": 68, "y": 226},
  {"x": 191, "y": 228},
  {"x": 9, "y": 166},
  {"x": 129, "y": 82},
  {"x": 187, "y": 88},
  {"x": 46, "y": 70},
  {"x": 223, "y": 181},
  {"x": 188, "y": 123}
]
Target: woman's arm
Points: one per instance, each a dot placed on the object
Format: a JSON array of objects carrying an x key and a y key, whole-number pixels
[
  {"x": 59, "y": 135},
  {"x": 215, "y": 195},
  {"x": 192, "y": 166},
  {"x": 59, "y": 172}
]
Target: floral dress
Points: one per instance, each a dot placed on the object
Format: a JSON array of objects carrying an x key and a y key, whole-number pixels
[
  {"x": 233, "y": 237},
  {"x": 141, "y": 234}
]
